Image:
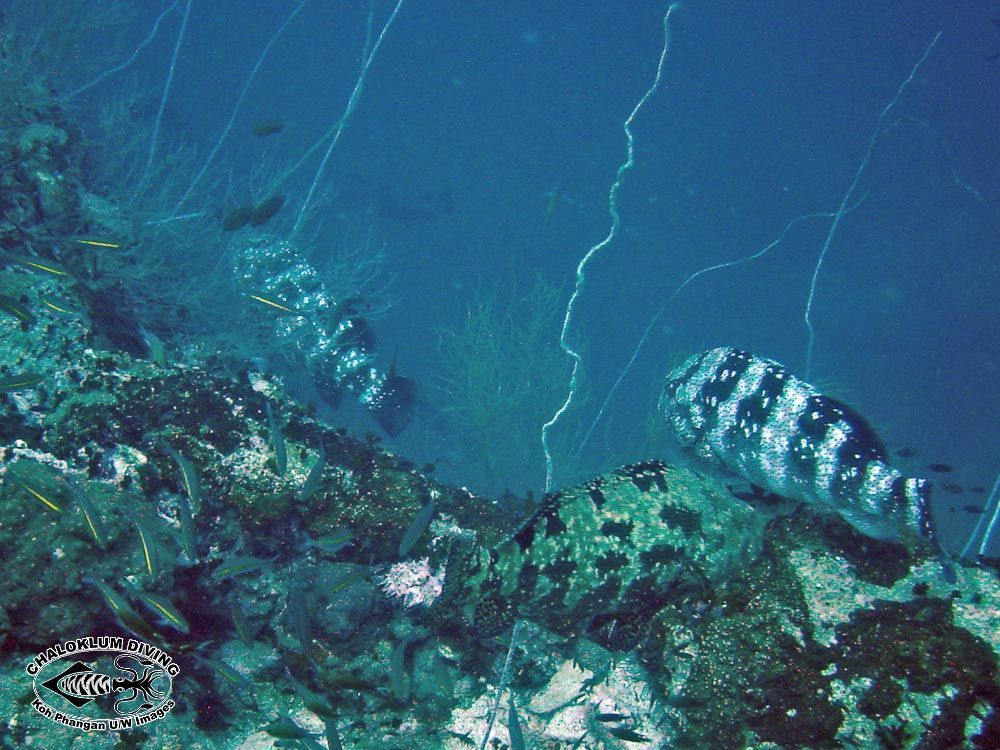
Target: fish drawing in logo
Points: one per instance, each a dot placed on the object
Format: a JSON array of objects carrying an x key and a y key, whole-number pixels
[{"x": 80, "y": 684}]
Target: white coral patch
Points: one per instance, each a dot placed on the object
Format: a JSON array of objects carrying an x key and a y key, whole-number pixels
[{"x": 413, "y": 581}]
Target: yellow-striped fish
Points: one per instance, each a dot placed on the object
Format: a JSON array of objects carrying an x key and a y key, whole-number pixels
[
  {"x": 37, "y": 264},
  {"x": 94, "y": 242},
  {"x": 42, "y": 496},
  {"x": 274, "y": 304},
  {"x": 150, "y": 550}
]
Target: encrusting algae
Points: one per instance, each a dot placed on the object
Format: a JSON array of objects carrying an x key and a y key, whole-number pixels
[{"x": 310, "y": 584}]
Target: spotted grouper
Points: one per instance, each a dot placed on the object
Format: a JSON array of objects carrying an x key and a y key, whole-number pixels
[
  {"x": 600, "y": 559},
  {"x": 754, "y": 417}
]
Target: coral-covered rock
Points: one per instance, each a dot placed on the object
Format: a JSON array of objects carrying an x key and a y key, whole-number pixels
[{"x": 802, "y": 632}]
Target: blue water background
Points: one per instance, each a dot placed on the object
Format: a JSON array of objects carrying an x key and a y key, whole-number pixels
[{"x": 764, "y": 114}]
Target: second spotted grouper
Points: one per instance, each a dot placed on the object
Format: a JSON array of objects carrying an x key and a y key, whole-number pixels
[
  {"x": 754, "y": 417},
  {"x": 600, "y": 559}
]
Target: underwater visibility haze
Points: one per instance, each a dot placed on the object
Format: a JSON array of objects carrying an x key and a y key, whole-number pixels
[{"x": 499, "y": 375}]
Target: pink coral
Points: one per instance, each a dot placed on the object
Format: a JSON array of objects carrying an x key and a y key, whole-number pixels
[{"x": 414, "y": 581}]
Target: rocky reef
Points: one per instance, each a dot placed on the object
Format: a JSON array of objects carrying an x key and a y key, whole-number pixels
[
  {"x": 309, "y": 583},
  {"x": 749, "y": 626}
]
